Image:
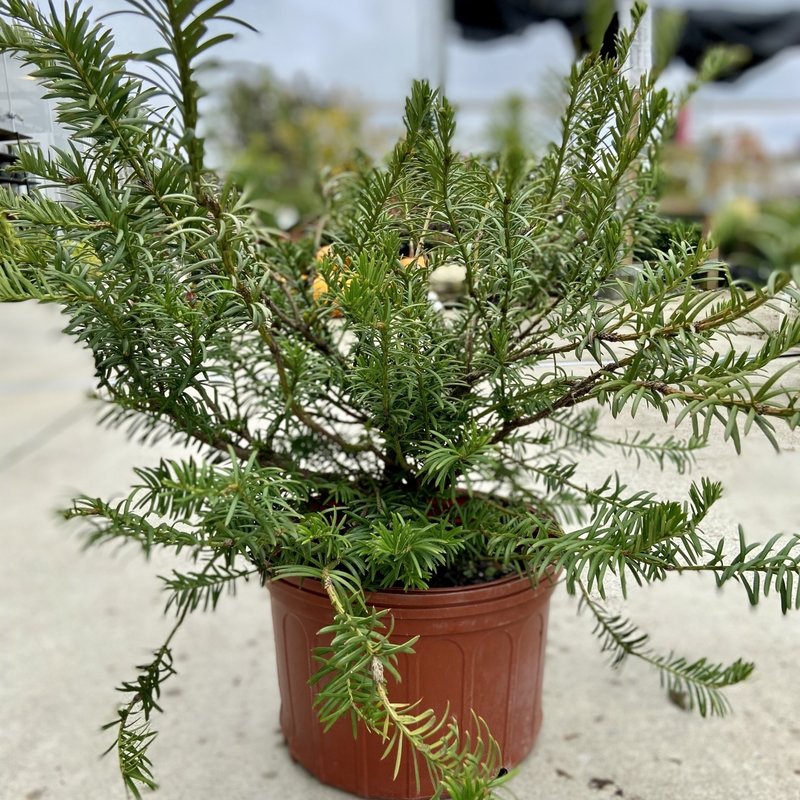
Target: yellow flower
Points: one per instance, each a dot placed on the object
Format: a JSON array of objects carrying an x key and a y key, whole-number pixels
[
  {"x": 319, "y": 288},
  {"x": 324, "y": 251},
  {"x": 418, "y": 261}
]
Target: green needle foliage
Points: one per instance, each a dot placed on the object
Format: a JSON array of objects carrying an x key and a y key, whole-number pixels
[{"x": 341, "y": 424}]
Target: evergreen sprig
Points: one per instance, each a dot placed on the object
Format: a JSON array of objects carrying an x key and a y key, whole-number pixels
[
  {"x": 696, "y": 684},
  {"x": 134, "y": 733}
]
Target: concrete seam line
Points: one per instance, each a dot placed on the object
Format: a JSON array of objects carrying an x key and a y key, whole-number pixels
[{"x": 44, "y": 434}]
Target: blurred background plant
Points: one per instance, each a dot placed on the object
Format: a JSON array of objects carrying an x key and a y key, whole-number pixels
[
  {"x": 280, "y": 140},
  {"x": 758, "y": 238}
]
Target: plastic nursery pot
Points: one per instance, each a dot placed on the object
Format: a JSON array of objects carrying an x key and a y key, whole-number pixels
[{"x": 481, "y": 648}]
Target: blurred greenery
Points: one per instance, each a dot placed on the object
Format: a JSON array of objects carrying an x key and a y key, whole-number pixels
[
  {"x": 280, "y": 139},
  {"x": 510, "y": 134},
  {"x": 664, "y": 232},
  {"x": 758, "y": 239}
]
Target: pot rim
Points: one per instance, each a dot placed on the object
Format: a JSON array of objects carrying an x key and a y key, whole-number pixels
[{"x": 498, "y": 589}]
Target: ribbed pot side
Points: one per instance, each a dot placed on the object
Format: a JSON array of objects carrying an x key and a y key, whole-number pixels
[{"x": 481, "y": 648}]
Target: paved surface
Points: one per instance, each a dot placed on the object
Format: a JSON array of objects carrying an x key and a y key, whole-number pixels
[{"x": 73, "y": 623}]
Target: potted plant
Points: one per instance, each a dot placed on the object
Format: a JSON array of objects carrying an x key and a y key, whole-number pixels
[{"x": 365, "y": 452}]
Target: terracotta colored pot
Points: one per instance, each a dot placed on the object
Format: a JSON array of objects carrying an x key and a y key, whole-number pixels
[{"x": 480, "y": 647}]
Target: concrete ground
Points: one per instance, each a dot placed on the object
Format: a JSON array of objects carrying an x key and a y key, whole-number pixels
[{"x": 73, "y": 624}]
